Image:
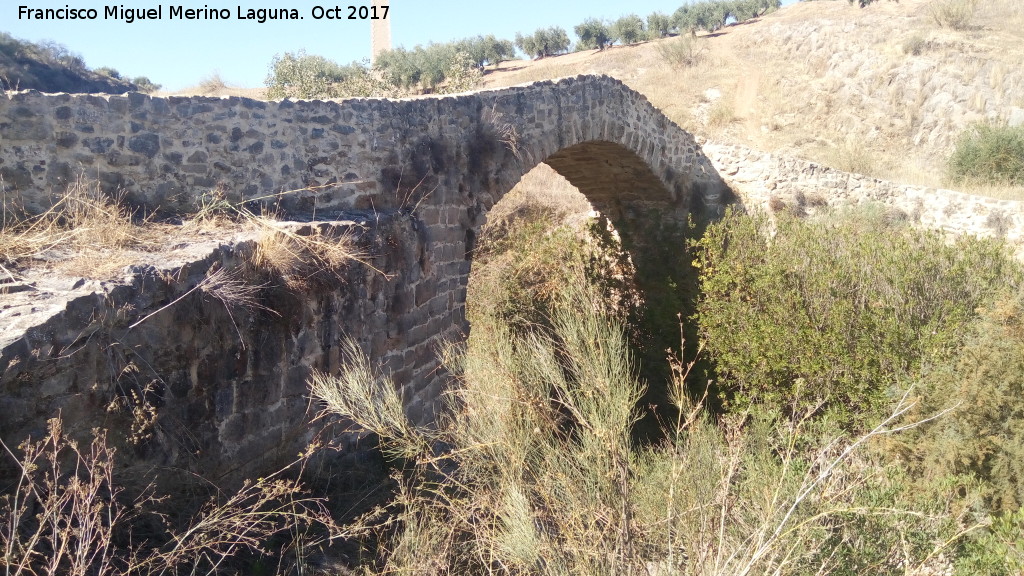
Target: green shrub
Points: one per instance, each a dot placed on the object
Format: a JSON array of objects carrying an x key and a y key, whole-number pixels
[
  {"x": 983, "y": 386},
  {"x": 539, "y": 474},
  {"x": 301, "y": 75},
  {"x": 998, "y": 551},
  {"x": 989, "y": 154},
  {"x": 836, "y": 313}
]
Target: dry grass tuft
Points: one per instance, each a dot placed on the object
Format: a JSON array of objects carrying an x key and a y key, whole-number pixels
[
  {"x": 302, "y": 257},
  {"x": 954, "y": 14},
  {"x": 83, "y": 222},
  {"x": 682, "y": 51},
  {"x": 68, "y": 514}
]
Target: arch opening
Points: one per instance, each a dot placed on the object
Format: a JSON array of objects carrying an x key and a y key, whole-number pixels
[{"x": 593, "y": 193}]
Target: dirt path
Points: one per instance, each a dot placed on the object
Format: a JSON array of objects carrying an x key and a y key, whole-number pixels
[{"x": 746, "y": 100}]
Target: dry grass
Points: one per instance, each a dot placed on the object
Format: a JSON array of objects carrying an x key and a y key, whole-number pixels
[
  {"x": 214, "y": 85},
  {"x": 300, "y": 254},
  {"x": 85, "y": 232},
  {"x": 303, "y": 257},
  {"x": 68, "y": 515},
  {"x": 954, "y": 14}
]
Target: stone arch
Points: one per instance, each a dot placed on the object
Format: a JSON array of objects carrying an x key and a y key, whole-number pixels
[{"x": 413, "y": 178}]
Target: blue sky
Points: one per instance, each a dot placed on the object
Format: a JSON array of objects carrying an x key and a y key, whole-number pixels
[{"x": 177, "y": 53}]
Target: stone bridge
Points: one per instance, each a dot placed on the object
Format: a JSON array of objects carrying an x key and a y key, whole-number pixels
[{"x": 204, "y": 387}]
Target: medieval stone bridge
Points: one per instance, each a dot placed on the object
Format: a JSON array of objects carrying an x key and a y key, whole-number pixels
[{"x": 414, "y": 177}]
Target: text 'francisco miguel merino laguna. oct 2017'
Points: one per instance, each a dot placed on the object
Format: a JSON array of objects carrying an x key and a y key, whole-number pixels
[{"x": 179, "y": 12}]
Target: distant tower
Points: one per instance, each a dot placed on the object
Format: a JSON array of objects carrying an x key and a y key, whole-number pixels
[{"x": 380, "y": 31}]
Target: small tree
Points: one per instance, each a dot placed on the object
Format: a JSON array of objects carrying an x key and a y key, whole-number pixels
[
  {"x": 593, "y": 33},
  {"x": 486, "y": 50},
  {"x": 628, "y": 30},
  {"x": 528, "y": 44},
  {"x": 433, "y": 62},
  {"x": 497, "y": 50}
]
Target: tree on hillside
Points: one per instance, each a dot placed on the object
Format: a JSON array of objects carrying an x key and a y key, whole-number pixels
[
  {"x": 593, "y": 33},
  {"x": 401, "y": 66},
  {"x": 498, "y": 51},
  {"x": 433, "y": 61},
  {"x": 544, "y": 42},
  {"x": 743, "y": 10},
  {"x": 487, "y": 50},
  {"x": 628, "y": 30},
  {"x": 708, "y": 15},
  {"x": 301, "y": 75},
  {"x": 659, "y": 25}
]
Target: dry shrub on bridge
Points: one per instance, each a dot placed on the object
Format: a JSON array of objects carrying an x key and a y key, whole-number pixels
[{"x": 303, "y": 257}]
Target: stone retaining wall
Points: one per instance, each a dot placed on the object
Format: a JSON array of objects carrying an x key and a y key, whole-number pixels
[{"x": 775, "y": 183}]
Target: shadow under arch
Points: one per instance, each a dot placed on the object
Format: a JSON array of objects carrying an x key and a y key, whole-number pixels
[{"x": 651, "y": 222}]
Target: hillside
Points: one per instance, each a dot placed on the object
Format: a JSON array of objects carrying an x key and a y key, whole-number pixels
[
  {"x": 51, "y": 67},
  {"x": 884, "y": 90}
]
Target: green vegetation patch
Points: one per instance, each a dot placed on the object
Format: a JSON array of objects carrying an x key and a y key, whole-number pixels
[
  {"x": 838, "y": 313},
  {"x": 989, "y": 154}
]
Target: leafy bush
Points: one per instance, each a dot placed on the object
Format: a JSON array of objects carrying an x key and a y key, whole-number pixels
[
  {"x": 108, "y": 72},
  {"x": 544, "y": 42},
  {"x": 593, "y": 33},
  {"x": 628, "y": 30},
  {"x": 991, "y": 154},
  {"x": 837, "y": 313}
]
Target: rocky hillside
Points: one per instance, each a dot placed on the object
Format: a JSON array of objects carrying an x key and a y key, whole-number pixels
[{"x": 884, "y": 90}]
